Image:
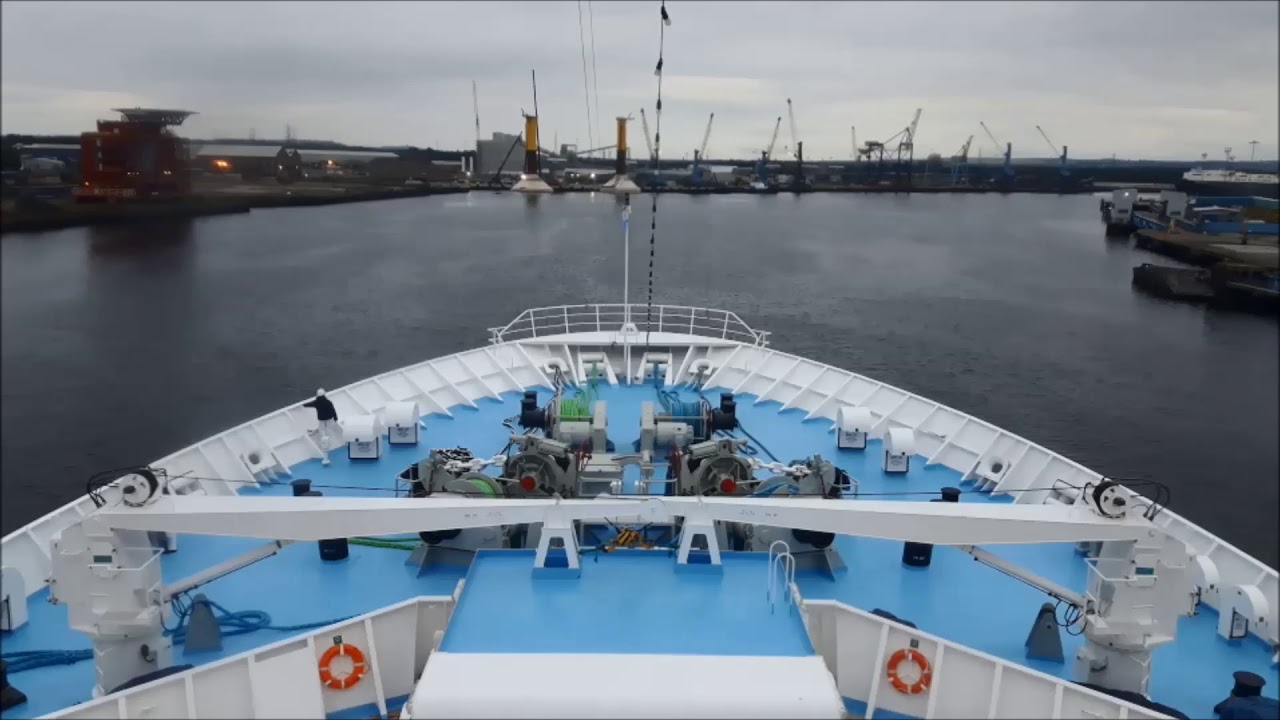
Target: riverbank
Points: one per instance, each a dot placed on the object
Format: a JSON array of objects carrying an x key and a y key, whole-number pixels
[
  {"x": 846, "y": 189},
  {"x": 24, "y": 215}
]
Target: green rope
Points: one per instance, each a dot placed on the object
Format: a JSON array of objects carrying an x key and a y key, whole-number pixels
[
  {"x": 574, "y": 408},
  {"x": 578, "y": 407},
  {"x": 483, "y": 487}
]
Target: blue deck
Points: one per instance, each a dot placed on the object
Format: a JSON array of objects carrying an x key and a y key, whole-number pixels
[
  {"x": 634, "y": 601},
  {"x": 628, "y": 601}
]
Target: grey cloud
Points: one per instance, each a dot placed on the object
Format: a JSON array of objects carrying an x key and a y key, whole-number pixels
[{"x": 1151, "y": 79}]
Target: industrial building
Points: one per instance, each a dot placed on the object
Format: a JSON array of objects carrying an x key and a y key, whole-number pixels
[
  {"x": 250, "y": 162},
  {"x": 340, "y": 163},
  {"x": 69, "y": 154},
  {"x": 493, "y": 151},
  {"x": 135, "y": 157},
  {"x": 399, "y": 170}
]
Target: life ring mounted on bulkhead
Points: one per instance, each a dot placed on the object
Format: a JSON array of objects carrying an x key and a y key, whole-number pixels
[
  {"x": 916, "y": 657},
  {"x": 358, "y": 666}
]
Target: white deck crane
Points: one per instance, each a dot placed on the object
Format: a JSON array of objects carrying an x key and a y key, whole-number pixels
[
  {"x": 701, "y": 153},
  {"x": 107, "y": 572},
  {"x": 1062, "y": 159}
]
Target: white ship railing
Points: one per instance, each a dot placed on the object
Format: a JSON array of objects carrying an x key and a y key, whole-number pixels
[
  {"x": 281, "y": 680},
  {"x": 944, "y": 436},
  {"x": 610, "y": 317},
  {"x": 857, "y": 645}
]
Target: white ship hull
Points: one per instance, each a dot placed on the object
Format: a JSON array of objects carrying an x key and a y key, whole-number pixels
[{"x": 519, "y": 356}]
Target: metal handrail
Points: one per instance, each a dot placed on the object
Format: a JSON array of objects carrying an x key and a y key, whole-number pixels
[
  {"x": 609, "y": 317},
  {"x": 782, "y": 568}
]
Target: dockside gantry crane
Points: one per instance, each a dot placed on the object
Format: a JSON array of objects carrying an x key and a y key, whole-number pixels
[
  {"x": 656, "y": 178},
  {"x": 695, "y": 175},
  {"x": 1062, "y": 160},
  {"x": 900, "y": 160},
  {"x": 648, "y": 141},
  {"x": 762, "y": 168},
  {"x": 907, "y": 146},
  {"x": 797, "y": 181},
  {"x": 960, "y": 165},
  {"x": 1007, "y": 150}
]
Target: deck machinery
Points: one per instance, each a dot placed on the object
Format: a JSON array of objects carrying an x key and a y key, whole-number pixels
[
  {"x": 108, "y": 574},
  {"x": 564, "y": 452}
]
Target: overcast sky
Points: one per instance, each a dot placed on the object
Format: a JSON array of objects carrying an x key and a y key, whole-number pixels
[{"x": 1138, "y": 80}]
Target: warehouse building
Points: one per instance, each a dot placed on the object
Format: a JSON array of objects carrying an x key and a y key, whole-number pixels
[
  {"x": 340, "y": 163},
  {"x": 250, "y": 162},
  {"x": 493, "y": 151},
  {"x": 69, "y": 154}
]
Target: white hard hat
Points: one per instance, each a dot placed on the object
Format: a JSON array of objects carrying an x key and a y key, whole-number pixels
[{"x": 320, "y": 392}]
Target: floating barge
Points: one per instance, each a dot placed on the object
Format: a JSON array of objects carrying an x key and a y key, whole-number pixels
[
  {"x": 1207, "y": 250},
  {"x": 1225, "y": 285},
  {"x": 1177, "y": 283}
]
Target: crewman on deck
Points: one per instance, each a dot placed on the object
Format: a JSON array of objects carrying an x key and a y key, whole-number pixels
[{"x": 329, "y": 431}]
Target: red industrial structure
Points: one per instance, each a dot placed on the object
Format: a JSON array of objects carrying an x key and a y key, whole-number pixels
[{"x": 135, "y": 157}]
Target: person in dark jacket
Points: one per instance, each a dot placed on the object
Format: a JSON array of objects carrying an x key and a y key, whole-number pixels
[{"x": 329, "y": 432}]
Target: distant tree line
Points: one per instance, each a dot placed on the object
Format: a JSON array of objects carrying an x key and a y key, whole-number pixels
[{"x": 13, "y": 161}]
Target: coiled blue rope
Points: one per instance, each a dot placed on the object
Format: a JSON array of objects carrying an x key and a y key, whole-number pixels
[
  {"x": 238, "y": 623},
  {"x": 24, "y": 660},
  {"x": 233, "y": 623},
  {"x": 682, "y": 411}
]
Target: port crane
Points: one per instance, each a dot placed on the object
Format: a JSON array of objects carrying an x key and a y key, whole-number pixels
[
  {"x": 960, "y": 165},
  {"x": 475, "y": 103},
  {"x": 797, "y": 181},
  {"x": 698, "y": 155},
  {"x": 762, "y": 171},
  {"x": 901, "y": 156},
  {"x": 1062, "y": 160},
  {"x": 907, "y": 146},
  {"x": 1007, "y": 150},
  {"x": 648, "y": 143}
]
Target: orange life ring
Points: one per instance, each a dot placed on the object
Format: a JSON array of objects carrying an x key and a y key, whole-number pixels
[
  {"x": 358, "y": 666},
  {"x": 917, "y": 657}
]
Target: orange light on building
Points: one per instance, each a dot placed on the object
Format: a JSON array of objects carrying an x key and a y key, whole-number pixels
[{"x": 221, "y": 164}]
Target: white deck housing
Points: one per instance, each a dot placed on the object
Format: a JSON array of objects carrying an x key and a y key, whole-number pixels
[
  {"x": 462, "y": 685},
  {"x": 738, "y": 358}
]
